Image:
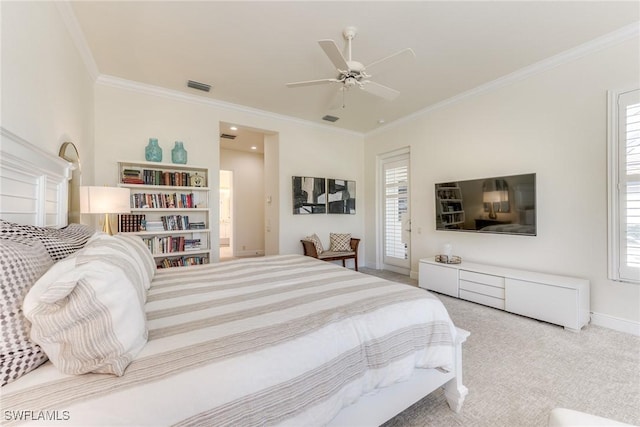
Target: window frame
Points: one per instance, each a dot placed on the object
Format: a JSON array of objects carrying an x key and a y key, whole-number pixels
[{"x": 616, "y": 189}]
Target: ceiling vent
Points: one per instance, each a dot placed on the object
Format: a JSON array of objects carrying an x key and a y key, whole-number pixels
[
  {"x": 331, "y": 118},
  {"x": 227, "y": 136},
  {"x": 200, "y": 86}
]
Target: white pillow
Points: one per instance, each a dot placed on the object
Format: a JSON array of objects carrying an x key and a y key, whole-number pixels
[
  {"x": 139, "y": 262},
  {"x": 87, "y": 311}
]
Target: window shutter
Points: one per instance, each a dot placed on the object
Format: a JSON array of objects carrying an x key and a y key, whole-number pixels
[
  {"x": 626, "y": 210},
  {"x": 396, "y": 205}
]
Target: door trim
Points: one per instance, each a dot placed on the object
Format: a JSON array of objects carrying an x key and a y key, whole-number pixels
[{"x": 381, "y": 159}]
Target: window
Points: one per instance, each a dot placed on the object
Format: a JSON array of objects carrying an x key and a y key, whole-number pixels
[{"x": 624, "y": 186}]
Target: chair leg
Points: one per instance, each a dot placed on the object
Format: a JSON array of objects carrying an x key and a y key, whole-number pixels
[
  {"x": 355, "y": 260},
  {"x": 343, "y": 264}
]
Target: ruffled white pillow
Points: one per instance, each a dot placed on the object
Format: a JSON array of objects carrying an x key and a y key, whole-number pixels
[{"x": 87, "y": 311}]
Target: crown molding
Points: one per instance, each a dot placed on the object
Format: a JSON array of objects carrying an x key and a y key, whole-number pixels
[
  {"x": 133, "y": 86},
  {"x": 623, "y": 34},
  {"x": 71, "y": 22}
]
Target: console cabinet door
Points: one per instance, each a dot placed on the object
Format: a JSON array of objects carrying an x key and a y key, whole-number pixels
[
  {"x": 553, "y": 304},
  {"x": 439, "y": 279}
]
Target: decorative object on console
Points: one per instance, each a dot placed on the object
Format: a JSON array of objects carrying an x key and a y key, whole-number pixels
[
  {"x": 104, "y": 200},
  {"x": 178, "y": 153},
  {"x": 153, "y": 152},
  {"x": 495, "y": 194},
  {"x": 448, "y": 259},
  {"x": 447, "y": 249}
]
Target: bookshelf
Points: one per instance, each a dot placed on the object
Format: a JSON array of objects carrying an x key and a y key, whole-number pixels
[
  {"x": 450, "y": 211},
  {"x": 170, "y": 211}
]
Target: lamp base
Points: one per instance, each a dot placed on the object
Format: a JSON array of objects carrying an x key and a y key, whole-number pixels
[
  {"x": 492, "y": 212},
  {"x": 106, "y": 227}
]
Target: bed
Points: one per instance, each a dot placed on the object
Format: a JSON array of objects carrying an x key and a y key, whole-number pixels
[{"x": 286, "y": 339}]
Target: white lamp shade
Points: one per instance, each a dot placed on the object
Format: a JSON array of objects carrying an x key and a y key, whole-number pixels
[{"x": 104, "y": 200}]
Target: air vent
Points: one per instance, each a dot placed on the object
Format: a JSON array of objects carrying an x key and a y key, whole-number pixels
[
  {"x": 330, "y": 118},
  {"x": 200, "y": 86},
  {"x": 227, "y": 136}
]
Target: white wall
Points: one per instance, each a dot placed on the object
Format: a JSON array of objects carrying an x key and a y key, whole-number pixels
[
  {"x": 128, "y": 114},
  {"x": 552, "y": 123},
  {"x": 47, "y": 91},
  {"x": 248, "y": 200}
]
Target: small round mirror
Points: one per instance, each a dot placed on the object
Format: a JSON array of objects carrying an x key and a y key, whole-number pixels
[{"x": 69, "y": 152}]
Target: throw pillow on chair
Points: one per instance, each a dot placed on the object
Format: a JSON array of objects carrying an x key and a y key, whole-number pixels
[{"x": 340, "y": 242}]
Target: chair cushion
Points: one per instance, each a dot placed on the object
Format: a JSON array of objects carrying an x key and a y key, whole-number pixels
[
  {"x": 332, "y": 254},
  {"x": 316, "y": 242},
  {"x": 340, "y": 242}
]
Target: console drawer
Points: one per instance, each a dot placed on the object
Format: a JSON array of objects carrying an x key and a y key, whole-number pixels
[
  {"x": 480, "y": 288},
  {"x": 482, "y": 299},
  {"x": 486, "y": 279}
]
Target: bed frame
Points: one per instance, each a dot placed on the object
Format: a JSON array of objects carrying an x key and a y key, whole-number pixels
[
  {"x": 34, "y": 184},
  {"x": 34, "y": 190}
]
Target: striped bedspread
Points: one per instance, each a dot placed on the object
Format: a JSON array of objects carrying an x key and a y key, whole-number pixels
[{"x": 284, "y": 340}]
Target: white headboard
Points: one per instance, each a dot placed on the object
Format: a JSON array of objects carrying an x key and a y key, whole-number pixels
[{"x": 33, "y": 183}]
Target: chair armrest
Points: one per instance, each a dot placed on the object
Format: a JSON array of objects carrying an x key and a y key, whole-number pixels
[
  {"x": 354, "y": 244},
  {"x": 309, "y": 248}
]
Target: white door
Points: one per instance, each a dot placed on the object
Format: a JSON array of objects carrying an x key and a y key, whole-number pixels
[{"x": 396, "y": 218}]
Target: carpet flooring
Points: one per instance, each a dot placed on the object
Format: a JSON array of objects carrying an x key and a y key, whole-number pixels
[{"x": 518, "y": 369}]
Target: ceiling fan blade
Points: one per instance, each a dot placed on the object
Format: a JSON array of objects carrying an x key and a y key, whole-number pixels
[
  {"x": 334, "y": 54},
  {"x": 407, "y": 53},
  {"x": 312, "y": 82},
  {"x": 379, "y": 90}
]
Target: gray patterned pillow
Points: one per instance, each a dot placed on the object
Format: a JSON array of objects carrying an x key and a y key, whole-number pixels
[
  {"x": 59, "y": 243},
  {"x": 340, "y": 242},
  {"x": 316, "y": 242},
  {"x": 21, "y": 264}
]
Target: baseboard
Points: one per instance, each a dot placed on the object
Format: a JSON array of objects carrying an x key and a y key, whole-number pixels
[
  {"x": 615, "y": 323},
  {"x": 255, "y": 252}
]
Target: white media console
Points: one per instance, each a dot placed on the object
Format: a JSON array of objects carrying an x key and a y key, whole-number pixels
[{"x": 555, "y": 299}]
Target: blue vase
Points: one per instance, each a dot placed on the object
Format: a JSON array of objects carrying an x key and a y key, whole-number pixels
[
  {"x": 153, "y": 152},
  {"x": 179, "y": 154}
]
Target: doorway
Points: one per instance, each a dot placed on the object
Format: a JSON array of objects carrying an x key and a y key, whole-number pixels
[
  {"x": 395, "y": 214},
  {"x": 244, "y": 182},
  {"x": 226, "y": 214}
]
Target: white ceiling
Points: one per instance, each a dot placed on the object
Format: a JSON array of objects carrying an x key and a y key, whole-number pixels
[{"x": 248, "y": 51}]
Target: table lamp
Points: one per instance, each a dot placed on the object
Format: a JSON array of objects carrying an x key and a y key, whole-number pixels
[
  {"x": 494, "y": 191},
  {"x": 104, "y": 200}
]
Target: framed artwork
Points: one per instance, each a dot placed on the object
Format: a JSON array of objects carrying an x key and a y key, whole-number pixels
[
  {"x": 309, "y": 195},
  {"x": 341, "y": 196}
]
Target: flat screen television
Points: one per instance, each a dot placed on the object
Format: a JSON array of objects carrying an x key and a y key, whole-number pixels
[{"x": 504, "y": 204}]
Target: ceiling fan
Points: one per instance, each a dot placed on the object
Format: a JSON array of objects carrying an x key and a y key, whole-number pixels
[{"x": 353, "y": 73}]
